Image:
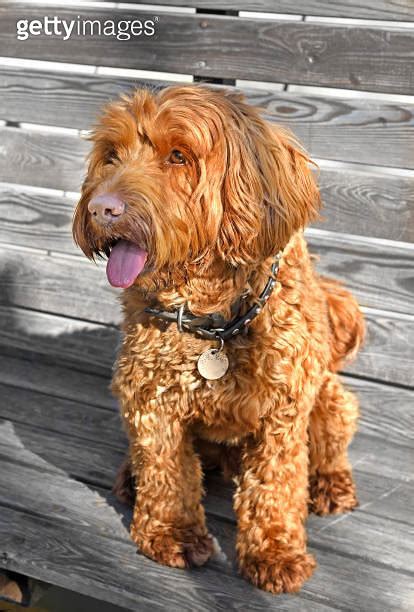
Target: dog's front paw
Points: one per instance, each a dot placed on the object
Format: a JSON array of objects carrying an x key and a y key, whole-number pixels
[
  {"x": 181, "y": 549},
  {"x": 285, "y": 572},
  {"x": 332, "y": 493}
]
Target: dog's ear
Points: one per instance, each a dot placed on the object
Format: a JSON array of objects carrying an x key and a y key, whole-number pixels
[
  {"x": 291, "y": 195},
  {"x": 269, "y": 191}
]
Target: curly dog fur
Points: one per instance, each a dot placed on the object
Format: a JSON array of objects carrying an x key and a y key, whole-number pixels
[{"x": 212, "y": 192}]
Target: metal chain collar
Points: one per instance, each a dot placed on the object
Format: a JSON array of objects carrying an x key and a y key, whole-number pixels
[{"x": 214, "y": 326}]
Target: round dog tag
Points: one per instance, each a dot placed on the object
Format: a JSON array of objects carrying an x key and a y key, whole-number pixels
[{"x": 213, "y": 364}]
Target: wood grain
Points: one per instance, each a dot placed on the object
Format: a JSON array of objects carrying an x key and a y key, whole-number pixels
[
  {"x": 388, "y": 352},
  {"x": 380, "y": 418},
  {"x": 347, "y": 129},
  {"x": 379, "y": 273},
  {"x": 90, "y": 347},
  {"x": 42, "y": 159},
  {"x": 367, "y": 204},
  {"x": 66, "y": 417},
  {"x": 93, "y": 462},
  {"x": 30, "y": 219},
  {"x": 400, "y": 10},
  {"x": 38, "y": 96},
  {"x": 56, "y": 378},
  {"x": 60, "y": 285},
  {"x": 358, "y": 57},
  {"x": 329, "y": 127},
  {"x": 370, "y": 454}
]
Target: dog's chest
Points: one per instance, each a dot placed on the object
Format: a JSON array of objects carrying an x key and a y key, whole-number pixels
[{"x": 160, "y": 371}]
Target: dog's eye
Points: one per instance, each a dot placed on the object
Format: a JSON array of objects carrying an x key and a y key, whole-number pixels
[
  {"x": 112, "y": 157},
  {"x": 176, "y": 157}
]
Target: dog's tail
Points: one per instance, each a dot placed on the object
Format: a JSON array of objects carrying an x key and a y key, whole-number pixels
[{"x": 346, "y": 321}]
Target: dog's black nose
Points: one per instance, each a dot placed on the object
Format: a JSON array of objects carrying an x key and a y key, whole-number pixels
[{"x": 106, "y": 208}]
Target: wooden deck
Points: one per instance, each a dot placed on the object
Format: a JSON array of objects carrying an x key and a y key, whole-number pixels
[{"x": 61, "y": 440}]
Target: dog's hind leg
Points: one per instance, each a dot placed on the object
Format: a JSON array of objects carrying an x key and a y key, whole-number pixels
[
  {"x": 332, "y": 425},
  {"x": 334, "y": 416},
  {"x": 346, "y": 323}
]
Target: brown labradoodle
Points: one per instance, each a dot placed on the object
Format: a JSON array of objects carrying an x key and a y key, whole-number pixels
[{"x": 232, "y": 342}]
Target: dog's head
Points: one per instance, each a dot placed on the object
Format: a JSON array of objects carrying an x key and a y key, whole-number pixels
[{"x": 189, "y": 176}]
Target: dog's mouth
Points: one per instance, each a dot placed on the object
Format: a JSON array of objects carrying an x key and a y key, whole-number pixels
[{"x": 126, "y": 261}]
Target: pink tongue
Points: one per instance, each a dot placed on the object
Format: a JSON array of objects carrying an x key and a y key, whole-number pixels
[{"x": 125, "y": 262}]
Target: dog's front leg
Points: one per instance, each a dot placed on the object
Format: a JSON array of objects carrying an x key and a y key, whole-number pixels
[
  {"x": 168, "y": 522},
  {"x": 271, "y": 504}
]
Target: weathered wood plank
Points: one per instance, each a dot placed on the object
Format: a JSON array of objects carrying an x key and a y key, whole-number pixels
[
  {"x": 371, "y": 454},
  {"x": 373, "y": 58},
  {"x": 388, "y": 353},
  {"x": 89, "y": 461},
  {"x": 90, "y": 347},
  {"x": 65, "y": 417},
  {"x": 112, "y": 571},
  {"x": 379, "y": 418},
  {"x": 334, "y": 127},
  {"x": 367, "y": 203},
  {"x": 31, "y": 219},
  {"x": 37, "y": 96},
  {"x": 330, "y": 127},
  {"x": 42, "y": 159},
  {"x": 61, "y": 498},
  {"x": 358, "y": 533},
  {"x": 379, "y": 273},
  {"x": 56, "y": 378},
  {"x": 60, "y": 285},
  {"x": 400, "y": 10},
  {"x": 384, "y": 497}
]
